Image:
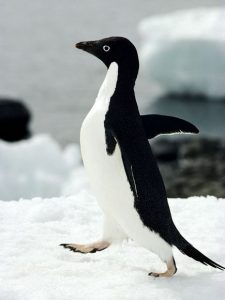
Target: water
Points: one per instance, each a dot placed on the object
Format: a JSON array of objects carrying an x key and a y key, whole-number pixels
[{"x": 39, "y": 63}]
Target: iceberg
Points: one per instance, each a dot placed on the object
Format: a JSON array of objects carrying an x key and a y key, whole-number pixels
[
  {"x": 37, "y": 167},
  {"x": 184, "y": 51}
]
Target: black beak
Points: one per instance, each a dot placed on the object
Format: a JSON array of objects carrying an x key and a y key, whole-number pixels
[
  {"x": 86, "y": 46},
  {"x": 92, "y": 47}
]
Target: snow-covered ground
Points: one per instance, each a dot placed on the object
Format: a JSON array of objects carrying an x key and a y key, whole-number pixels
[
  {"x": 39, "y": 167},
  {"x": 33, "y": 266},
  {"x": 184, "y": 51}
]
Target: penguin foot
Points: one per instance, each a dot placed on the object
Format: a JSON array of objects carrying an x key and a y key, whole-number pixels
[
  {"x": 88, "y": 248},
  {"x": 164, "y": 274},
  {"x": 171, "y": 270}
]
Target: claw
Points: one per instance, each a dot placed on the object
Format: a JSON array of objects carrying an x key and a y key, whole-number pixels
[
  {"x": 93, "y": 250},
  {"x": 153, "y": 274}
]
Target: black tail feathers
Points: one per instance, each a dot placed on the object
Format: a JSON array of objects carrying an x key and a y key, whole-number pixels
[
  {"x": 189, "y": 250},
  {"x": 186, "y": 248}
]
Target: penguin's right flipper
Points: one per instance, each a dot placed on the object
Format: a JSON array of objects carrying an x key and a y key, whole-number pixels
[
  {"x": 159, "y": 124},
  {"x": 114, "y": 137}
]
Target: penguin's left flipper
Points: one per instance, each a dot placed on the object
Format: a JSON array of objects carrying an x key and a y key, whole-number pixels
[
  {"x": 159, "y": 124},
  {"x": 87, "y": 248}
]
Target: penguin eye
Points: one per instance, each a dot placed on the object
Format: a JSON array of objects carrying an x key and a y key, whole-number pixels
[{"x": 106, "y": 48}]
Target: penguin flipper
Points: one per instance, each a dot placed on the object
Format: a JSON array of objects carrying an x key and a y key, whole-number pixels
[
  {"x": 112, "y": 138},
  {"x": 159, "y": 124},
  {"x": 129, "y": 172}
]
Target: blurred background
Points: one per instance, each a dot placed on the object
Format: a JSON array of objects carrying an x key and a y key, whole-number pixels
[{"x": 47, "y": 87}]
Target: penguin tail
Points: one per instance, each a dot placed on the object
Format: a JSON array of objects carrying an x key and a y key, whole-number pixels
[{"x": 186, "y": 248}]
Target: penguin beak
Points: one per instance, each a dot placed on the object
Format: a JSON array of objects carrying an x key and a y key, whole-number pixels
[
  {"x": 94, "y": 48},
  {"x": 86, "y": 46}
]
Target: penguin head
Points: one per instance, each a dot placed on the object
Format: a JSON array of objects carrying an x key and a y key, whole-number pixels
[{"x": 113, "y": 49}]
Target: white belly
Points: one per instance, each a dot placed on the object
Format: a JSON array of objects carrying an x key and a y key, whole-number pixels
[
  {"x": 106, "y": 172},
  {"x": 109, "y": 181}
]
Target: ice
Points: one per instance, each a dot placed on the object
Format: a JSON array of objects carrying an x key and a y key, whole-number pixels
[
  {"x": 184, "y": 51},
  {"x": 33, "y": 266},
  {"x": 36, "y": 167}
]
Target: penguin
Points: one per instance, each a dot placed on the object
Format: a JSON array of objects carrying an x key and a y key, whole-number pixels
[{"x": 123, "y": 172}]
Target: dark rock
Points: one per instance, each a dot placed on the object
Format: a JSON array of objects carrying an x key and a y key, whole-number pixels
[
  {"x": 188, "y": 96},
  {"x": 14, "y": 120},
  {"x": 197, "y": 170},
  {"x": 206, "y": 147},
  {"x": 165, "y": 150}
]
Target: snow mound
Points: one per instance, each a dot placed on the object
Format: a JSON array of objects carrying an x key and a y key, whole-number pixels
[
  {"x": 33, "y": 266},
  {"x": 184, "y": 51},
  {"x": 35, "y": 167}
]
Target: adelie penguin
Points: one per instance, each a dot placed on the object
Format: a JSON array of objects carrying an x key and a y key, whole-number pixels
[{"x": 122, "y": 169}]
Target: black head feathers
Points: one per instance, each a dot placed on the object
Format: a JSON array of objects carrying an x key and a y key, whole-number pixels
[{"x": 114, "y": 49}]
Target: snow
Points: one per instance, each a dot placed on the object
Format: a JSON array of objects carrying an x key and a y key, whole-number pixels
[
  {"x": 33, "y": 266},
  {"x": 184, "y": 51},
  {"x": 37, "y": 167}
]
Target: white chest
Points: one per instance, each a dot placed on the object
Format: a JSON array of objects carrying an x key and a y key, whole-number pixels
[
  {"x": 92, "y": 135},
  {"x": 106, "y": 173}
]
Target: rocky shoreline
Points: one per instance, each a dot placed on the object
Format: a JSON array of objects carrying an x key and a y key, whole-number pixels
[{"x": 191, "y": 166}]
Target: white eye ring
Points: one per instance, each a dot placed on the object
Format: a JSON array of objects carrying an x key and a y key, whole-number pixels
[{"x": 106, "y": 48}]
